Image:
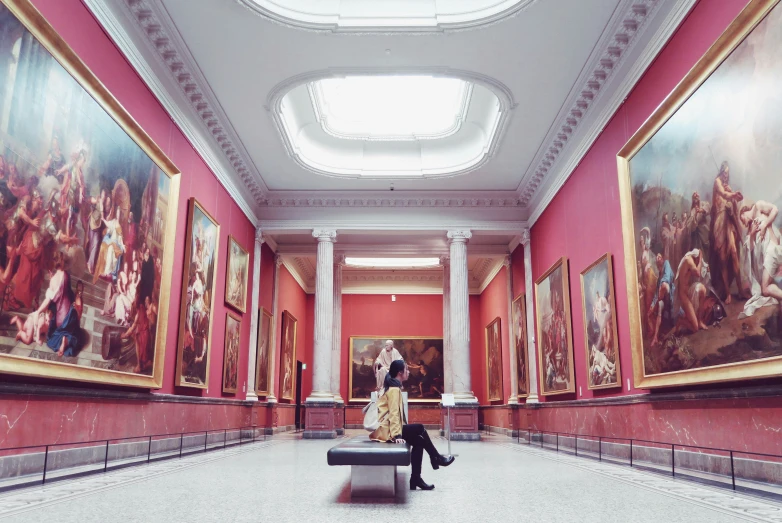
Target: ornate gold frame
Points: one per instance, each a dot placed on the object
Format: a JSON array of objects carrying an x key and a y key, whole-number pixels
[
  {"x": 263, "y": 313},
  {"x": 568, "y": 320},
  {"x": 350, "y": 365},
  {"x": 287, "y": 316},
  {"x": 238, "y": 320},
  {"x": 738, "y": 30},
  {"x": 45, "y": 34},
  {"x": 606, "y": 256},
  {"x": 488, "y": 370},
  {"x": 183, "y": 303},
  {"x": 243, "y": 307},
  {"x": 524, "y": 343}
]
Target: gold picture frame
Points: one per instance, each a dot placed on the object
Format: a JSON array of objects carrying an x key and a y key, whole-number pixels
[
  {"x": 493, "y": 339},
  {"x": 717, "y": 62},
  {"x": 43, "y": 33},
  {"x": 263, "y": 352},
  {"x": 592, "y": 279},
  {"x": 288, "y": 356},
  {"x": 520, "y": 340},
  {"x": 559, "y": 309},
  {"x": 191, "y": 370},
  {"x": 421, "y": 389},
  {"x": 233, "y": 335},
  {"x": 236, "y": 283}
]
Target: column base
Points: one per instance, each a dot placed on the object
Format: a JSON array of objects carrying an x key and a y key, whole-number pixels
[
  {"x": 319, "y": 420},
  {"x": 271, "y": 399},
  {"x": 463, "y": 422},
  {"x": 251, "y": 396},
  {"x": 532, "y": 398}
]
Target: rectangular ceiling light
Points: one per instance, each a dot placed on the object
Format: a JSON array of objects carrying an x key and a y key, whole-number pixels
[{"x": 392, "y": 262}]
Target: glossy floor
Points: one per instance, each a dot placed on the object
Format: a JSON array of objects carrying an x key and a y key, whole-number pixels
[{"x": 287, "y": 479}]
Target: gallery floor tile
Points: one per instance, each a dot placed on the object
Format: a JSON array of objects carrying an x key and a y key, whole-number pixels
[{"x": 287, "y": 479}]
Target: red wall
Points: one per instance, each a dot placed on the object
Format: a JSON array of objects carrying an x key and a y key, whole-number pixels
[
  {"x": 493, "y": 302},
  {"x": 377, "y": 315},
  {"x": 72, "y": 20},
  {"x": 294, "y": 300},
  {"x": 590, "y": 196}
]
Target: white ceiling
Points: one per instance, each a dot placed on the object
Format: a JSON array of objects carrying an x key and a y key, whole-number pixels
[{"x": 564, "y": 67}]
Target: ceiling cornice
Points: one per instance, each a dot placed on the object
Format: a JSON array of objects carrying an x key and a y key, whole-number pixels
[
  {"x": 281, "y": 226},
  {"x": 401, "y": 199},
  {"x": 391, "y": 249},
  {"x": 170, "y": 71},
  {"x": 594, "y": 100}
]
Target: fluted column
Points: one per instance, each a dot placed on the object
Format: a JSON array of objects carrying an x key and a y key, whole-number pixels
[
  {"x": 254, "y": 313},
  {"x": 514, "y": 368},
  {"x": 336, "y": 338},
  {"x": 532, "y": 359},
  {"x": 324, "y": 317},
  {"x": 445, "y": 261},
  {"x": 273, "y": 370},
  {"x": 460, "y": 317}
]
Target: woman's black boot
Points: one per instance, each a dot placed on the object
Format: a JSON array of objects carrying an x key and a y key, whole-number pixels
[
  {"x": 441, "y": 460},
  {"x": 420, "y": 483}
]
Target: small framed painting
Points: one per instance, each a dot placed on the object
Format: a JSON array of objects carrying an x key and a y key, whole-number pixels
[
  {"x": 602, "y": 344},
  {"x": 233, "y": 332},
  {"x": 237, "y": 271},
  {"x": 494, "y": 360}
]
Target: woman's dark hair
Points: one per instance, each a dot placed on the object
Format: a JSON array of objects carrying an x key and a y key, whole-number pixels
[{"x": 397, "y": 367}]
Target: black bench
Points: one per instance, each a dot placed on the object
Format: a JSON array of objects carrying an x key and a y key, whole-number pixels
[{"x": 373, "y": 464}]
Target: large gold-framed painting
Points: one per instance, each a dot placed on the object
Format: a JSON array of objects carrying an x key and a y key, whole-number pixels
[
  {"x": 700, "y": 192},
  {"x": 197, "y": 305},
  {"x": 265, "y": 326},
  {"x": 555, "y": 334},
  {"x": 424, "y": 358},
  {"x": 89, "y": 206},
  {"x": 519, "y": 312},
  {"x": 494, "y": 360},
  {"x": 599, "y": 308},
  {"x": 233, "y": 334},
  {"x": 288, "y": 356},
  {"x": 236, "y": 274}
]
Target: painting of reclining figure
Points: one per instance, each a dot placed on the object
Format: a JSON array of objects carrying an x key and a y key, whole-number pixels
[
  {"x": 700, "y": 187},
  {"x": 87, "y": 217}
]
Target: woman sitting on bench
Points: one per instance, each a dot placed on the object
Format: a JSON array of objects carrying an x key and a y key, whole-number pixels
[{"x": 393, "y": 428}]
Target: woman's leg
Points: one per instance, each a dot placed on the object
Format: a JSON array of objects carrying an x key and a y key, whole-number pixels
[
  {"x": 416, "y": 435},
  {"x": 411, "y": 435}
]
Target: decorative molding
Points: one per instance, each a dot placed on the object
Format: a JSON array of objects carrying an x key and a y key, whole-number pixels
[
  {"x": 173, "y": 73},
  {"x": 504, "y": 97},
  {"x": 378, "y": 199},
  {"x": 614, "y": 51},
  {"x": 525, "y": 236},
  {"x": 299, "y": 270},
  {"x": 259, "y": 237},
  {"x": 270, "y": 226},
  {"x": 325, "y": 235},
  {"x": 438, "y": 22},
  {"x": 483, "y": 275}
]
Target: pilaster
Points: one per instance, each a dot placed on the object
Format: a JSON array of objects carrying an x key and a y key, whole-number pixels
[
  {"x": 532, "y": 359},
  {"x": 254, "y": 316}
]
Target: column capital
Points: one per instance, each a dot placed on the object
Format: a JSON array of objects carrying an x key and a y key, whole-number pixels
[
  {"x": 525, "y": 236},
  {"x": 259, "y": 239},
  {"x": 339, "y": 260},
  {"x": 325, "y": 235},
  {"x": 445, "y": 260},
  {"x": 506, "y": 261},
  {"x": 459, "y": 236},
  {"x": 277, "y": 260}
]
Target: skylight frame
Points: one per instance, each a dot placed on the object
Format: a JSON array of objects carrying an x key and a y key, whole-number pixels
[
  {"x": 381, "y": 262},
  {"x": 320, "y": 107}
]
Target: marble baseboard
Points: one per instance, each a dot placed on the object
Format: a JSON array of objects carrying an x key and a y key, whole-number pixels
[
  {"x": 466, "y": 436},
  {"x": 319, "y": 434}
]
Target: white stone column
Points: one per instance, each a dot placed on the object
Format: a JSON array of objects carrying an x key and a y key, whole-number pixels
[
  {"x": 273, "y": 370},
  {"x": 532, "y": 358},
  {"x": 445, "y": 261},
  {"x": 514, "y": 376},
  {"x": 254, "y": 313},
  {"x": 324, "y": 317},
  {"x": 460, "y": 317},
  {"x": 336, "y": 338}
]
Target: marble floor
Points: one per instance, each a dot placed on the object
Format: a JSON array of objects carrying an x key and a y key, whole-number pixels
[{"x": 287, "y": 479}]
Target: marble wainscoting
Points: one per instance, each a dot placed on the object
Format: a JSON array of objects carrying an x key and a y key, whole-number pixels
[{"x": 427, "y": 415}]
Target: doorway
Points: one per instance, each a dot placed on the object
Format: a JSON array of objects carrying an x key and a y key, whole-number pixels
[{"x": 297, "y": 420}]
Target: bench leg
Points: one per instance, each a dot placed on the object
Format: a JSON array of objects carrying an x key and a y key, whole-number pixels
[{"x": 373, "y": 481}]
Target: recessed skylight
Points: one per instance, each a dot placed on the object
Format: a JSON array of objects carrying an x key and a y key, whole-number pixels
[
  {"x": 390, "y": 107},
  {"x": 408, "y": 263}
]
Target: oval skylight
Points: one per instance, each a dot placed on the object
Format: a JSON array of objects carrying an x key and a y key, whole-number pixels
[
  {"x": 390, "y": 126},
  {"x": 390, "y": 107},
  {"x": 386, "y": 15}
]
